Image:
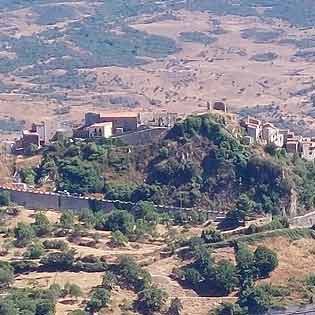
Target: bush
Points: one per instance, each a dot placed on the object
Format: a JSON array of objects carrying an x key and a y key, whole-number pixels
[
  {"x": 120, "y": 220},
  {"x": 24, "y": 234},
  {"x": 24, "y": 266},
  {"x": 229, "y": 309},
  {"x": 109, "y": 280},
  {"x": 118, "y": 239},
  {"x": 6, "y": 276},
  {"x": 4, "y": 198},
  {"x": 100, "y": 298},
  {"x": 41, "y": 226},
  {"x": 225, "y": 277},
  {"x": 211, "y": 236},
  {"x": 256, "y": 300},
  {"x": 34, "y": 251},
  {"x": 266, "y": 261},
  {"x": 151, "y": 300},
  {"x": 67, "y": 220},
  {"x": 55, "y": 244},
  {"x": 132, "y": 275},
  {"x": 58, "y": 261}
]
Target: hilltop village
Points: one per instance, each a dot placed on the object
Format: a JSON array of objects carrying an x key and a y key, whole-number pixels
[{"x": 120, "y": 125}]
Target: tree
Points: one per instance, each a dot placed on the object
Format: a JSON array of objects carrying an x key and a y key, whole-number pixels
[
  {"x": 109, "y": 280},
  {"x": 4, "y": 198},
  {"x": 118, "y": 239},
  {"x": 100, "y": 298},
  {"x": 146, "y": 210},
  {"x": 8, "y": 307},
  {"x": 28, "y": 176},
  {"x": 73, "y": 290},
  {"x": 225, "y": 277},
  {"x": 133, "y": 275},
  {"x": 58, "y": 261},
  {"x": 266, "y": 261},
  {"x": 151, "y": 300},
  {"x": 6, "y": 276},
  {"x": 229, "y": 309},
  {"x": 245, "y": 265},
  {"x": 24, "y": 234},
  {"x": 192, "y": 276},
  {"x": 176, "y": 307},
  {"x": 34, "y": 251},
  {"x": 122, "y": 221},
  {"x": 67, "y": 220},
  {"x": 255, "y": 300},
  {"x": 211, "y": 236},
  {"x": 41, "y": 226}
]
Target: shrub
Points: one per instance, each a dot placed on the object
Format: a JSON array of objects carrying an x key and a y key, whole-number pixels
[
  {"x": 41, "y": 226},
  {"x": 24, "y": 234},
  {"x": 151, "y": 300},
  {"x": 118, "y": 239},
  {"x": 211, "y": 236},
  {"x": 225, "y": 277},
  {"x": 72, "y": 290},
  {"x": 34, "y": 251},
  {"x": 58, "y": 261},
  {"x": 67, "y": 220},
  {"x": 132, "y": 275},
  {"x": 55, "y": 244},
  {"x": 120, "y": 220},
  {"x": 266, "y": 261},
  {"x": 6, "y": 276},
  {"x": 109, "y": 280},
  {"x": 100, "y": 298},
  {"x": 4, "y": 198},
  {"x": 229, "y": 309},
  {"x": 256, "y": 300}
]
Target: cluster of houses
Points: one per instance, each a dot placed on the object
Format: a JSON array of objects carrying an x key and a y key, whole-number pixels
[
  {"x": 95, "y": 125},
  {"x": 265, "y": 133},
  {"x": 108, "y": 125}
]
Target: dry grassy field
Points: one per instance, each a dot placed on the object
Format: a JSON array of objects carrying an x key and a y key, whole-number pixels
[{"x": 235, "y": 67}]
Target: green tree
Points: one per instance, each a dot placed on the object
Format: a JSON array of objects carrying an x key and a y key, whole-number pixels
[
  {"x": 24, "y": 234},
  {"x": 120, "y": 220},
  {"x": 58, "y": 261},
  {"x": 151, "y": 300},
  {"x": 41, "y": 226},
  {"x": 118, "y": 239},
  {"x": 73, "y": 290},
  {"x": 34, "y": 251},
  {"x": 4, "y": 198},
  {"x": 225, "y": 277},
  {"x": 229, "y": 309},
  {"x": 255, "y": 300},
  {"x": 6, "y": 276},
  {"x": 266, "y": 261},
  {"x": 67, "y": 220},
  {"x": 192, "y": 276},
  {"x": 109, "y": 280},
  {"x": 211, "y": 235},
  {"x": 246, "y": 266},
  {"x": 28, "y": 176},
  {"x": 100, "y": 299}
]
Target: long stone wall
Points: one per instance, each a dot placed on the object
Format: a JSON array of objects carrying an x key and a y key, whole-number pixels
[
  {"x": 39, "y": 200},
  {"x": 141, "y": 137}
]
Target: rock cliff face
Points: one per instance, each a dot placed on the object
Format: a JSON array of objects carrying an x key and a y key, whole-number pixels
[{"x": 291, "y": 210}]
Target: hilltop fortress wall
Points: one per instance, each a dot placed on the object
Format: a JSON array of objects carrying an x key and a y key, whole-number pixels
[{"x": 47, "y": 200}]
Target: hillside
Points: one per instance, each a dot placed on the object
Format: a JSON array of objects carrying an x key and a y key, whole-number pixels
[
  {"x": 61, "y": 59},
  {"x": 200, "y": 163}
]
